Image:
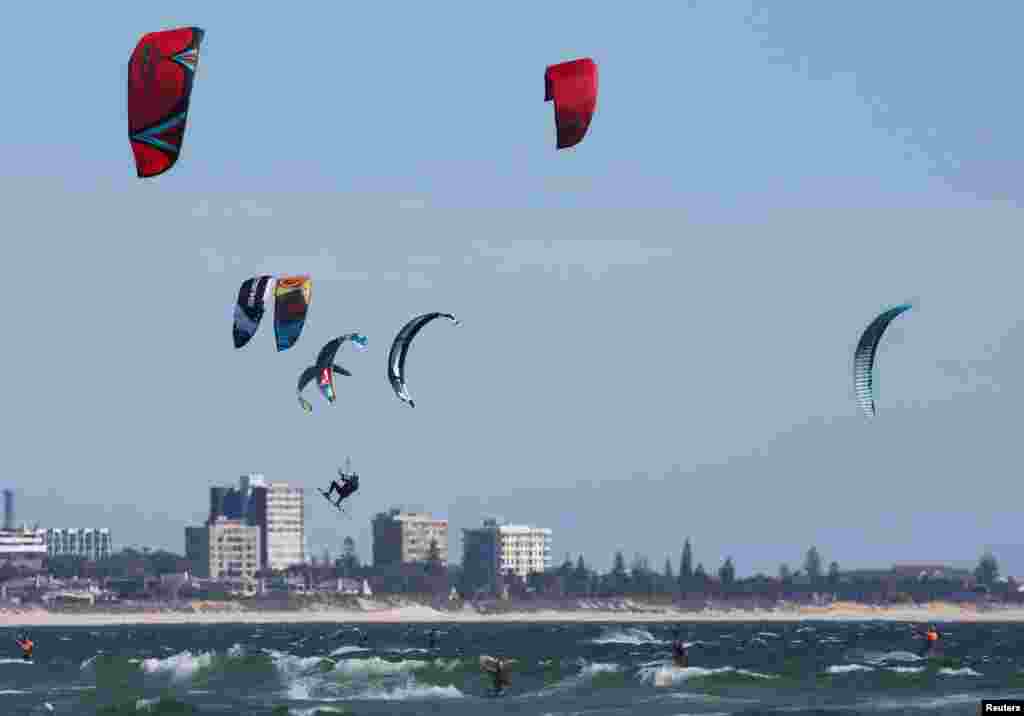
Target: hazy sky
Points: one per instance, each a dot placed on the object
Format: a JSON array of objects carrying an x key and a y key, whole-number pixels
[{"x": 658, "y": 325}]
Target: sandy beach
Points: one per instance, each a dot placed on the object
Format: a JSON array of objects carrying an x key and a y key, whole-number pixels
[{"x": 631, "y": 613}]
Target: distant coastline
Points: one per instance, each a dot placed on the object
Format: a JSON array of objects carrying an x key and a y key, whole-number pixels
[{"x": 371, "y": 611}]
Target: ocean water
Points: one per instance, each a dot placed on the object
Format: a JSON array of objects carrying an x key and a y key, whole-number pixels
[{"x": 561, "y": 670}]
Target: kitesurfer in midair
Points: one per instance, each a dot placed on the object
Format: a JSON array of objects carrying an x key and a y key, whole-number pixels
[
  {"x": 349, "y": 485},
  {"x": 345, "y": 488}
]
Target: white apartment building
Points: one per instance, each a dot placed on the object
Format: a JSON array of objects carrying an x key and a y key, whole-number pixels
[
  {"x": 89, "y": 542},
  {"x": 23, "y": 546},
  {"x": 285, "y": 525},
  {"x": 226, "y": 550},
  {"x": 505, "y": 549},
  {"x": 524, "y": 549}
]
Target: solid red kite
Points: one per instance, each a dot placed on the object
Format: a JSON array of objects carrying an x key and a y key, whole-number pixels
[
  {"x": 160, "y": 75},
  {"x": 573, "y": 87}
]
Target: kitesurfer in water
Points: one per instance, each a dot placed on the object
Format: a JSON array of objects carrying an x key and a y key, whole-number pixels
[
  {"x": 500, "y": 673},
  {"x": 26, "y": 645},
  {"x": 931, "y": 641},
  {"x": 432, "y": 639},
  {"x": 680, "y": 657}
]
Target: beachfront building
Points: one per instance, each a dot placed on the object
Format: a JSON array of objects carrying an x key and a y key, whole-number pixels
[
  {"x": 405, "y": 537},
  {"x": 225, "y": 550},
  {"x": 280, "y": 512},
  {"x": 23, "y": 547},
  {"x": 276, "y": 508},
  {"x": 494, "y": 549},
  {"x": 89, "y": 542}
]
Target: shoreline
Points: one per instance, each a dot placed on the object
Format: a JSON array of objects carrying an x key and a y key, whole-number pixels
[{"x": 418, "y": 614}]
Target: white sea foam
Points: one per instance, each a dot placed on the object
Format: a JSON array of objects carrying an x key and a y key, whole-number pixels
[
  {"x": 633, "y": 636},
  {"x": 848, "y": 668},
  {"x": 180, "y": 666}
]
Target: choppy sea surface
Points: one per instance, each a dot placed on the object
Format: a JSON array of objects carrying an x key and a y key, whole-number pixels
[{"x": 560, "y": 670}]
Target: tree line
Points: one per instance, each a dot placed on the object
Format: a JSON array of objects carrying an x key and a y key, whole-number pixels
[
  {"x": 812, "y": 575},
  {"x": 577, "y": 578}
]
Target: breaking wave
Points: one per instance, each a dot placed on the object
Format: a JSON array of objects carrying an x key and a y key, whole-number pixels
[{"x": 630, "y": 636}]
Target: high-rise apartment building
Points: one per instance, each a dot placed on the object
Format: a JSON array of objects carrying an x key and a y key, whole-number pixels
[
  {"x": 495, "y": 549},
  {"x": 91, "y": 543},
  {"x": 8, "y": 509},
  {"x": 403, "y": 537},
  {"x": 283, "y": 507},
  {"x": 525, "y": 549},
  {"x": 277, "y": 508},
  {"x": 224, "y": 549}
]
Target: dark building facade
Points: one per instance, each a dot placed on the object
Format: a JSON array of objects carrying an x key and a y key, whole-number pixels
[
  {"x": 247, "y": 505},
  {"x": 256, "y": 514},
  {"x": 387, "y": 539},
  {"x": 481, "y": 555}
]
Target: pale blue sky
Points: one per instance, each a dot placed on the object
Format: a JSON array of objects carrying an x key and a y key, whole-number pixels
[{"x": 658, "y": 325}]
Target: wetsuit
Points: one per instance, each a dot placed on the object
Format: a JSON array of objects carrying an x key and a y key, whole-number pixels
[
  {"x": 931, "y": 641},
  {"x": 679, "y": 656},
  {"x": 350, "y": 486},
  {"x": 499, "y": 676},
  {"x": 344, "y": 489}
]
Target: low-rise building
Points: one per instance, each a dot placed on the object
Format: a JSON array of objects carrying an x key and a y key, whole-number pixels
[{"x": 88, "y": 542}]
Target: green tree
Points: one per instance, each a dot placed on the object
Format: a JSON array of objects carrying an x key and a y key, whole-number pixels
[
  {"x": 727, "y": 572},
  {"x": 686, "y": 561},
  {"x": 565, "y": 568},
  {"x": 65, "y": 566},
  {"x": 699, "y": 574},
  {"x": 833, "y": 573},
  {"x": 619, "y": 565},
  {"x": 640, "y": 575},
  {"x": 785, "y": 573},
  {"x": 987, "y": 571},
  {"x": 434, "y": 565},
  {"x": 580, "y": 577},
  {"x": 618, "y": 576},
  {"x": 812, "y": 565},
  {"x": 349, "y": 560}
]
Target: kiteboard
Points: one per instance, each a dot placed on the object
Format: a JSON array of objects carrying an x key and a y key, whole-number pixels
[{"x": 343, "y": 509}]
